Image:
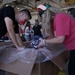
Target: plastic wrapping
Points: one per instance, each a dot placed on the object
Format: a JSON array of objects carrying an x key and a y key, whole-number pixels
[{"x": 9, "y": 53}]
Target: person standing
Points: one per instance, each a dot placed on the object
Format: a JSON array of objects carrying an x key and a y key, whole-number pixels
[
  {"x": 37, "y": 28},
  {"x": 27, "y": 31}
]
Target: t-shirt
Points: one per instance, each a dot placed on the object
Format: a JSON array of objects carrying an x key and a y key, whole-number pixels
[
  {"x": 7, "y": 12},
  {"x": 27, "y": 31},
  {"x": 37, "y": 30},
  {"x": 64, "y": 25}
]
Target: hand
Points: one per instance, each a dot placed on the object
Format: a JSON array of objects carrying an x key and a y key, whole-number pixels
[
  {"x": 21, "y": 48},
  {"x": 42, "y": 43}
]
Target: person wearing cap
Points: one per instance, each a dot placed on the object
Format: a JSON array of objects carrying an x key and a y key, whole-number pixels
[
  {"x": 9, "y": 21},
  {"x": 64, "y": 28}
]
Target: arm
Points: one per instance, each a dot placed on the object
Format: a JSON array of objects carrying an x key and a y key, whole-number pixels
[
  {"x": 58, "y": 39},
  {"x": 19, "y": 40},
  {"x": 10, "y": 29}
]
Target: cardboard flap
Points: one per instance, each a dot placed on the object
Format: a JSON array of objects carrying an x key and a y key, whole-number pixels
[{"x": 18, "y": 67}]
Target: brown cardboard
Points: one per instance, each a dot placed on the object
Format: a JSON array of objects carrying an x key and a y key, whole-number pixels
[
  {"x": 51, "y": 67},
  {"x": 43, "y": 68},
  {"x": 18, "y": 67},
  {"x": 61, "y": 59},
  {"x": 46, "y": 68}
]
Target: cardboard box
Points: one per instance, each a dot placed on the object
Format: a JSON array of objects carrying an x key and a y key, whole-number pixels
[
  {"x": 50, "y": 67},
  {"x": 61, "y": 60},
  {"x": 46, "y": 68},
  {"x": 17, "y": 67}
]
